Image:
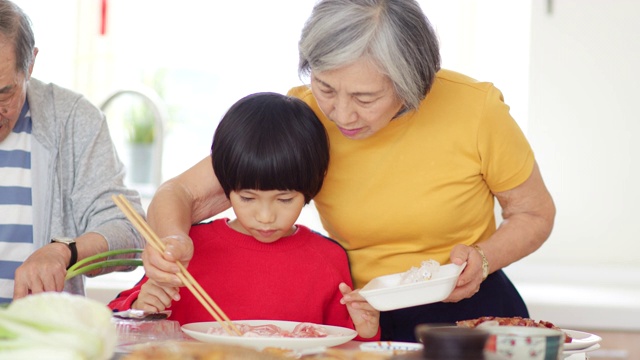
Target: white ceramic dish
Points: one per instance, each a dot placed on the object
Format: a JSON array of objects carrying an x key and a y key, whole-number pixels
[
  {"x": 384, "y": 293},
  {"x": 523, "y": 342},
  {"x": 337, "y": 335},
  {"x": 581, "y": 340},
  {"x": 567, "y": 353},
  {"x": 391, "y": 347}
]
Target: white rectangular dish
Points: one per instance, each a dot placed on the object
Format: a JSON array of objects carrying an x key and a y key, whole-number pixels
[{"x": 386, "y": 293}]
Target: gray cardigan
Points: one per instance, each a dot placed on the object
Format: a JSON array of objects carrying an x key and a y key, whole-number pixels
[{"x": 75, "y": 170}]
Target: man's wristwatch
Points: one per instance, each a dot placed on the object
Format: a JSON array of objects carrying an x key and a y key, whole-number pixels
[
  {"x": 71, "y": 243},
  {"x": 485, "y": 262}
]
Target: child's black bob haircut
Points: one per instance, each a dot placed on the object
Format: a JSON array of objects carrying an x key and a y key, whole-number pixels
[{"x": 268, "y": 141}]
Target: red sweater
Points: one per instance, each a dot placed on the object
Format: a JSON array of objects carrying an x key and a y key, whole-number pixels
[{"x": 295, "y": 278}]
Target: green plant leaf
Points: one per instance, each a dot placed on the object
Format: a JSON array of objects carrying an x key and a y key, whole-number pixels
[{"x": 140, "y": 124}]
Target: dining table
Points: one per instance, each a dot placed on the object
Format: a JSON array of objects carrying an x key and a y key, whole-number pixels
[
  {"x": 133, "y": 334},
  {"x": 347, "y": 351}
]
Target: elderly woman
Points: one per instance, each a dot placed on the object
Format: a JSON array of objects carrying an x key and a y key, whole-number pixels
[{"x": 418, "y": 156}]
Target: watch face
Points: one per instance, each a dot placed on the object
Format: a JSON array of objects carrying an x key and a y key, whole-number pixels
[{"x": 64, "y": 240}]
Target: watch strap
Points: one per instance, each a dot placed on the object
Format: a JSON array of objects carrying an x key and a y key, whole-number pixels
[
  {"x": 71, "y": 244},
  {"x": 74, "y": 254}
]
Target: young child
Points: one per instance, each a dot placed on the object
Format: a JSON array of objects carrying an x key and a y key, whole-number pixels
[{"x": 270, "y": 154}]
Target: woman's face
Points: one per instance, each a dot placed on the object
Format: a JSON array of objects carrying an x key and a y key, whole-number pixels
[
  {"x": 358, "y": 98},
  {"x": 266, "y": 215}
]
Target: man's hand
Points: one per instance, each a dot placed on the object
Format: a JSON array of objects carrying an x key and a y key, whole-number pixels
[{"x": 43, "y": 271}]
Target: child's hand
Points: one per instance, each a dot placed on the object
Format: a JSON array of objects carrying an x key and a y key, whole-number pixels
[
  {"x": 154, "y": 298},
  {"x": 365, "y": 318}
]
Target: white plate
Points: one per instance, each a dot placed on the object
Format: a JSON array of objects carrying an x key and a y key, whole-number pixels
[
  {"x": 581, "y": 340},
  {"x": 386, "y": 293},
  {"x": 337, "y": 335},
  {"x": 567, "y": 353},
  {"x": 391, "y": 347}
]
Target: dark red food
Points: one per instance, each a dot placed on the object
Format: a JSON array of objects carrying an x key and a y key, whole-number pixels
[{"x": 513, "y": 321}]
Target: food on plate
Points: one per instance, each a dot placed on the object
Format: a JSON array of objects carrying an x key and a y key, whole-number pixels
[
  {"x": 302, "y": 330},
  {"x": 425, "y": 272},
  {"x": 335, "y": 335},
  {"x": 512, "y": 321},
  {"x": 180, "y": 350}
]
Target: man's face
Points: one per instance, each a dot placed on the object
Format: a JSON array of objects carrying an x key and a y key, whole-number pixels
[{"x": 13, "y": 88}]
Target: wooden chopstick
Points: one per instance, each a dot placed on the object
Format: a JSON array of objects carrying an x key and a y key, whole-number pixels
[{"x": 145, "y": 230}]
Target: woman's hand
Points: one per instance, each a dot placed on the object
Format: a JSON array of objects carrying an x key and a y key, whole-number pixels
[
  {"x": 162, "y": 267},
  {"x": 365, "y": 318},
  {"x": 471, "y": 277},
  {"x": 155, "y": 298}
]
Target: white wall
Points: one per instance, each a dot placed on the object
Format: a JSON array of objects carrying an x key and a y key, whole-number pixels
[
  {"x": 583, "y": 124},
  {"x": 584, "y": 121}
]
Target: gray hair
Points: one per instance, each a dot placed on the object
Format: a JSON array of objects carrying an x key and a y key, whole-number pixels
[
  {"x": 395, "y": 34},
  {"x": 16, "y": 26}
]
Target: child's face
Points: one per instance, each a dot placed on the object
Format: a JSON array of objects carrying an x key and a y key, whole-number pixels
[{"x": 266, "y": 215}]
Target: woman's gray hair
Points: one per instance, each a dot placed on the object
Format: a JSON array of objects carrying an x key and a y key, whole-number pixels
[
  {"x": 16, "y": 27},
  {"x": 395, "y": 34}
]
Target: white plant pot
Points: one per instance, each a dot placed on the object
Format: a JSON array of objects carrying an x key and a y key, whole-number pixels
[{"x": 140, "y": 163}]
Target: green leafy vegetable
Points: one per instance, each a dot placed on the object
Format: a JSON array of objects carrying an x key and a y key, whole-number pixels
[
  {"x": 83, "y": 266},
  {"x": 58, "y": 325}
]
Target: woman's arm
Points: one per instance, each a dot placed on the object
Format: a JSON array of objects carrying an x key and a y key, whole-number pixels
[
  {"x": 189, "y": 198},
  {"x": 528, "y": 214}
]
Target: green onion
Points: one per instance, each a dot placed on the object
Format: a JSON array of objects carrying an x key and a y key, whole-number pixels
[{"x": 80, "y": 267}]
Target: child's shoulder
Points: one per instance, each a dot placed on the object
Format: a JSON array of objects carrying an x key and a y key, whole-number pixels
[
  {"x": 206, "y": 227},
  {"x": 319, "y": 240}
]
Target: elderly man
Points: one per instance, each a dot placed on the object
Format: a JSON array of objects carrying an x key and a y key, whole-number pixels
[{"x": 58, "y": 171}]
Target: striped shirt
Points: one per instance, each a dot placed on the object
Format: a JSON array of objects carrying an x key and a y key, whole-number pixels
[{"x": 16, "y": 222}]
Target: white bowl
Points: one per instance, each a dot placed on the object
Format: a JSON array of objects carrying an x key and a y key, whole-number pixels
[
  {"x": 523, "y": 342},
  {"x": 391, "y": 347},
  {"x": 386, "y": 293}
]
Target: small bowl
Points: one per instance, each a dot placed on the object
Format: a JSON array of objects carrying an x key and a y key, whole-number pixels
[
  {"x": 451, "y": 342},
  {"x": 386, "y": 293},
  {"x": 391, "y": 347},
  {"x": 132, "y": 332},
  {"x": 522, "y": 342}
]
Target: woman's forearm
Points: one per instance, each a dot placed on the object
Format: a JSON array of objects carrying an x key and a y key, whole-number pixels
[
  {"x": 516, "y": 238},
  {"x": 170, "y": 210},
  {"x": 189, "y": 198},
  {"x": 528, "y": 212}
]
